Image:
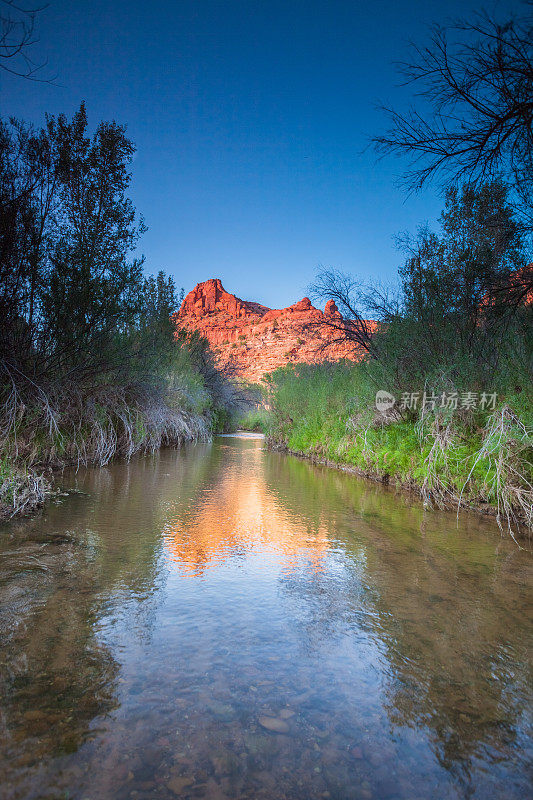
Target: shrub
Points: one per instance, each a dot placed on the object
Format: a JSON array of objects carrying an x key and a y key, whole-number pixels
[{"x": 257, "y": 419}]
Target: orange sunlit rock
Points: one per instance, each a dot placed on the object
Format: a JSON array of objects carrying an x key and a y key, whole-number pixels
[
  {"x": 517, "y": 289},
  {"x": 254, "y": 339}
]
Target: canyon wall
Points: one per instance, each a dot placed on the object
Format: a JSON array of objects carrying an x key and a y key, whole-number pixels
[{"x": 254, "y": 340}]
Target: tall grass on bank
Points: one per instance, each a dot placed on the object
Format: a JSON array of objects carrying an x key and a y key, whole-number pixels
[
  {"x": 462, "y": 458},
  {"x": 72, "y": 426},
  {"x": 79, "y": 429},
  {"x": 507, "y": 446},
  {"x": 177, "y": 396},
  {"x": 254, "y": 419}
]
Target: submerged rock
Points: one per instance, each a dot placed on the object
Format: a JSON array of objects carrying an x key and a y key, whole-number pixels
[
  {"x": 178, "y": 783},
  {"x": 274, "y": 724}
]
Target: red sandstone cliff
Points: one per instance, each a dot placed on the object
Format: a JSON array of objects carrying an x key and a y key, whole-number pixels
[{"x": 256, "y": 340}]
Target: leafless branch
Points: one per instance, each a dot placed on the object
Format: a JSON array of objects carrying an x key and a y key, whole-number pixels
[
  {"x": 349, "y": 296},
  {"x": 473, "y": 119},
  {"x": 17, "y": 39}
]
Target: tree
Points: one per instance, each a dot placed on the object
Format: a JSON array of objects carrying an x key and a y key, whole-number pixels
[
  {"x": 481, "y": 245},
  {"x": 28, "y": 194},
  {"x": 93, "y": 289},
  {"x": 474, "y": 119},
  {"x": 154, "y": 337},
  {"x": 159, "y": 300},
  {"x": 473, "y": 122},
  {"x": 448, "y": 278},
  {"x": 71, "y": 291}
]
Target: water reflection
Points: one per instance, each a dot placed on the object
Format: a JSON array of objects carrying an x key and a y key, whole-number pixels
[
  {"x": 222, "y": 622},
  {"x": 238, "y": 517}
]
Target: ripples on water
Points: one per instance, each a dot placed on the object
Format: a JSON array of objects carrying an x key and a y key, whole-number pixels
[{"x": 223, "y": 622}]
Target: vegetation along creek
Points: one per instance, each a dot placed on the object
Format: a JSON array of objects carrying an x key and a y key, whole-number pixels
[{"x": 266, "y": 400}]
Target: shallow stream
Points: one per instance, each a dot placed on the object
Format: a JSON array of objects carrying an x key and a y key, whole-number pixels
[{"x": 225, "y": 622}]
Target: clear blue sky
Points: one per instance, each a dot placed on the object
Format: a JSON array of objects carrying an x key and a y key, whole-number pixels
[{"x": 251, "y": 120}]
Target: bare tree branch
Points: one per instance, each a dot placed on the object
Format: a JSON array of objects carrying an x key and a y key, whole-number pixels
[
  {"x": 17, "y": 38},
  {"x": 473, "y": 119},
  {"x": 350, "y": 297}
]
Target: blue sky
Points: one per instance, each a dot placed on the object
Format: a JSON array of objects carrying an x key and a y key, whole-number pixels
[{"x": 251, "y": 121}]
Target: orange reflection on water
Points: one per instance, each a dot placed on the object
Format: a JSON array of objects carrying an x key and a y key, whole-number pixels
[{"x": 237, "y": 518}]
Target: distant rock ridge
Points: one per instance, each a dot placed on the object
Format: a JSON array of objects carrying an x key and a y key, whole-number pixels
[
  {"x": 254, "y": 339},
  {"x": 210, "y": 296}
]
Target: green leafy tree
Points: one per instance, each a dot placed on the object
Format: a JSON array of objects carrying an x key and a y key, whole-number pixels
[
  {"x": 448, "y": 321},
  {"x": 155, "y": 343},
  {"x": 93, "y": 289},
  {"x": 28, "y": 204}
]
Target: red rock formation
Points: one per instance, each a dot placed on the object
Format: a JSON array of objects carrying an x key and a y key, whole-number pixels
[
  {"x": 516, "y": 290},
  {"x": 256, "y": 340},
  {"x": 211, "y": 296}
]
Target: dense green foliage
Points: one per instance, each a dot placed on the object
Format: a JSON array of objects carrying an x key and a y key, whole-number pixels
[
  {"x": 254, "y": 419},
  {"x": 452, "y": 329},
  {"x": 90, "y": 364},
  {"x": 328, "y": 411},
  {"x": 451, "y": 320}
]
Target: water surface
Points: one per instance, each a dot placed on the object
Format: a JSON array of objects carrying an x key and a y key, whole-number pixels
[{"x": 223, "y": 622}]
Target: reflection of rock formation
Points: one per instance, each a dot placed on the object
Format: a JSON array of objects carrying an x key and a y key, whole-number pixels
[
  {"x": 255, "y": 339},
  {"x": 449, "y": 609},
  {"x": 238, "y": 518}
]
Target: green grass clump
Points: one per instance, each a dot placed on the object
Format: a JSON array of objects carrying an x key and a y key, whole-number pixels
[
  {"x": 463, "y": 457},
  {"x": 256, "y": 419}
]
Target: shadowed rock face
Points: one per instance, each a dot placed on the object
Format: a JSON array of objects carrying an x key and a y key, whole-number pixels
[{"x": 254, "y": 339}]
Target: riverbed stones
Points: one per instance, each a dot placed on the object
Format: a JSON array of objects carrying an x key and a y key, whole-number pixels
[
  {"x": 223, "y": 712},
  {"x": 177, "y": 784},
  {"x": 274, "y": 724},
  {"x": 225, "y": 763},
  {"x": 286, "y": 713},
  {"x": 260, "y": 744}
]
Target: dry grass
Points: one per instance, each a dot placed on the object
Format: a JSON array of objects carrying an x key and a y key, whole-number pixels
[
  {"x": 507, "y": 448},
  {"x": 504, "y": 458},
  {"x": 21, "y": 492},
  {"x": 436, "y": 487},
  {"x": 80, "y": 428}
]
